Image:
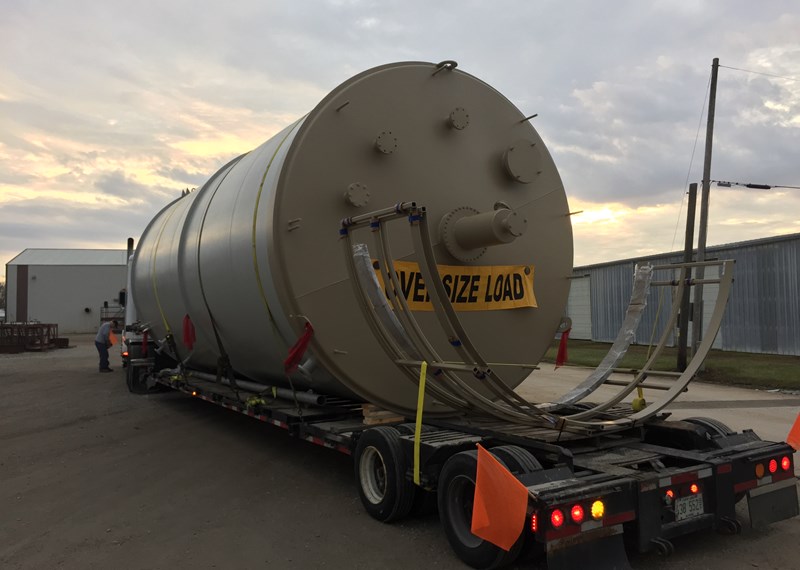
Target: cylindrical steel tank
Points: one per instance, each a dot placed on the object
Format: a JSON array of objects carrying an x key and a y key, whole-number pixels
[{"x": 256, "y": 249}]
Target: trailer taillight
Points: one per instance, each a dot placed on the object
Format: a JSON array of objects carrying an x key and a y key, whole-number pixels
[
  {"x": 577, "y": 514},
  {"x": 125, "y": 354},
  {"x": 598, "y": 509},
  {"x": 760, "y": 470},
  {"x": 773, "y": 466},
  {"x": 557, "y": 518},
  {"x": 694, "y": 489},
  {"x": 194, "y": 393},
  {"x": 534, "y": 522},
  {"x": 786, "y": 463},
  {"x": 669, "y": 496}
]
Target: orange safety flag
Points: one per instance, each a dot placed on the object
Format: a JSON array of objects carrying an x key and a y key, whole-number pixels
[
  {"x": 112, "y": 339},
  {"x": 561, "y": 357},
  {"x": 793, "y": 438},
  {"x": 189, "y": 335},
  {"x": 501, "y": 502},
  {"x": 299, "y": 348}
]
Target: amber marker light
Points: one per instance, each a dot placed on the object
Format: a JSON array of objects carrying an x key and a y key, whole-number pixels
[
  {"x": 194, "y": 393},
  {"x": 760, "y": 470},
  {"x": 598, "y": 510}
]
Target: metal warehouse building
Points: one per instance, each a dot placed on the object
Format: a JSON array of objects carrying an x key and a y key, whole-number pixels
[
  {"x": 73, "y": 288},
  {"x": 763, "y": 313}
]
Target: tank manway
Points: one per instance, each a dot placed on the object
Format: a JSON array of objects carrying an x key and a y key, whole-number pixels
[{"x": 260, "y": 249}]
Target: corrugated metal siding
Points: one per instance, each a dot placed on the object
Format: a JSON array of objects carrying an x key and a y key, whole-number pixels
[
  {"x": 763, "y": 312},
  {"x": 764, "y": 309}
]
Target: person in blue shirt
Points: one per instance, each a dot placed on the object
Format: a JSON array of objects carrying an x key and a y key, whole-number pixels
[{"x": 103, "y": 342}]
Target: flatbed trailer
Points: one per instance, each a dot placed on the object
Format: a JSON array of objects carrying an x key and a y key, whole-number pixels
[{"x": 589, "y": 495}]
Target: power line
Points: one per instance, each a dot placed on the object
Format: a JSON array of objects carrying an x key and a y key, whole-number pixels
[
  {"x": 727, "y": 184},
  {"x": 761, "y": 73},
  {"x": 691, "y": 162}
]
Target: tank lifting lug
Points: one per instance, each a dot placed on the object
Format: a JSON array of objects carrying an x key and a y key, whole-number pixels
[{"x": 447, "y": 64}]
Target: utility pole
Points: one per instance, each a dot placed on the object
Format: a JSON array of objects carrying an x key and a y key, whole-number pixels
[
  {"x": 697, "y": 312},
  {"x": 683, "y": 325}
]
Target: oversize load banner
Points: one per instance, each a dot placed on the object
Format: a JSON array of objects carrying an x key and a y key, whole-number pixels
[{"x": 481, "y": 288}]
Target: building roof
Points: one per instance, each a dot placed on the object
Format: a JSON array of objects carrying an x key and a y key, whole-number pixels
[
  {"x": 35, "y": 256},
  {"x": 709, "y": 249}
]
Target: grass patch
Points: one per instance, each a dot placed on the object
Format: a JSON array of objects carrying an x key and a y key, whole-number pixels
[{"x": 736, "y": 368}]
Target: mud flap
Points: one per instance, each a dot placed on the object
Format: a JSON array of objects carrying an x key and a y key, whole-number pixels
[
  {"x": 606, "y": 552},
  {"x": 773, "y": 503}
]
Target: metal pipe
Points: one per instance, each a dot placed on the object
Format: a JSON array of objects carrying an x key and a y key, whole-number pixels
[
  {"x": 489, "y": 228},
  {"x": 285, "y": 393}
]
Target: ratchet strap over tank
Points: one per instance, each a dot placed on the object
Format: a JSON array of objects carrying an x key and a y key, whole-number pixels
[
  {"x": 404, "y": 341},
  {"x": 224, "y": 368},
  {"x": 153, "y": 277}
]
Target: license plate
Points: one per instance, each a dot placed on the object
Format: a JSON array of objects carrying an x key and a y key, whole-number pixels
[{"x": 688, "y": 507}]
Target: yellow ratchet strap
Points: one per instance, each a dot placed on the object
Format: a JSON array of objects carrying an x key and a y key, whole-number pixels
[{"x": 418, "y": 428}]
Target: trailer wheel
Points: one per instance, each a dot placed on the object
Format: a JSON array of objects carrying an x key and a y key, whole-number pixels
[
  {"x": 410, "y": 428},
  {"x": 456, "y": 494},
  {"x": 381, "y": 474},
  {"x": 714, "y": 427},
  {"x": 517, "y": 459},
  {"x": 136, "y": 379}
]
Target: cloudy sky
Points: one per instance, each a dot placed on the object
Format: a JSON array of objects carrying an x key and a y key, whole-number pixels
[{"x": 108, "y": 109}]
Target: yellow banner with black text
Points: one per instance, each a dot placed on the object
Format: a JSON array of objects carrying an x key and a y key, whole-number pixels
[{"x": 469, "y": 288}]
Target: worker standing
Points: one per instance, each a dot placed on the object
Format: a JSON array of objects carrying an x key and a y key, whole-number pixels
[{"x": 103, "y": 342}]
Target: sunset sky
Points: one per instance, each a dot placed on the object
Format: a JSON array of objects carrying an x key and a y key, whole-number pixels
[{"x": 109, "y": 109}]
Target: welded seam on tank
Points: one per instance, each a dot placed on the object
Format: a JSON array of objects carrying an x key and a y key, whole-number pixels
[{"x": 255, "y": 222}]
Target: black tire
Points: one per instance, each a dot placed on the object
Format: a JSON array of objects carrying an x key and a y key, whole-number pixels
[
  {"x": 456, "y": 492},
  {"x": 714, "y": 427},
  {"x": 517, "y": 459},
  {"x": 380, "y": 468},
  {"x": 409, "y": 428},
  {"x": 424, "y": 503},
  {"x": 136, "y": 379}
]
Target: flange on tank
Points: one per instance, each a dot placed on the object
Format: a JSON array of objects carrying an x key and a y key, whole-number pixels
[{"x": 256, "y": 250}]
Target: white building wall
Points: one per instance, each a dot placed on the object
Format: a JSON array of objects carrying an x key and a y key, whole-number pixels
[
  {"x": 11, "y": 293},
  {"x": 61, "y": 294},
  {"x": 579, "y": 308}
]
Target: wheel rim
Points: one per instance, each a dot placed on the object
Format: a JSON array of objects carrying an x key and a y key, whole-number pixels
[
  {"x": 372, "y": 475},
  {"x": 460, "y": 496}
]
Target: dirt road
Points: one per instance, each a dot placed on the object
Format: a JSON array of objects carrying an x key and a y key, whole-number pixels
[{"x": 94, "y": 477}]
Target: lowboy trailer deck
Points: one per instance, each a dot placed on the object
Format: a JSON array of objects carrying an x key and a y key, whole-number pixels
[{"x": 648, "y": 484}]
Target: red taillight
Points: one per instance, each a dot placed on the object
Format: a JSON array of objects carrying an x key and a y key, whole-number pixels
[
  {"x": 125, "y": 354},
  {"x": 534, "y": 522},
  {"x": 694, "y": 488},
  {"x": 786, "y": 463},
  {"x": 670, "y": 494},
  {"x": 557, "y": 518},
  {"x": 773, "y": 466},
  {"x": 577, "y": 514}
]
